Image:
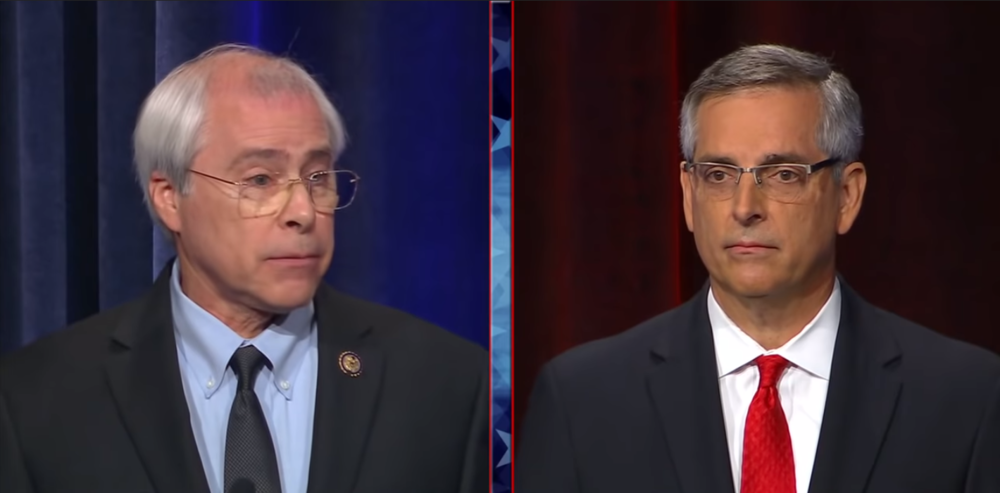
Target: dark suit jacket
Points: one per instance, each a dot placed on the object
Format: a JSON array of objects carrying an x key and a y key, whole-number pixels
[
  {"x": 100, "y": 407},
  {"x": 907, "y": 411}
]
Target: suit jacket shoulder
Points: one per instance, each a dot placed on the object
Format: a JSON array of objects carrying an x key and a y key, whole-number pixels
[
  {"x": 932, "y": 361},
  {"x": 924, "y": 341},
  {"x": 63, "y": 357},
  {"x": 612, "y": 358},
  {"x": 404, "y": 333}
]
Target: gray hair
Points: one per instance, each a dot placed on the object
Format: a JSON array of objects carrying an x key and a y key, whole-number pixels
[
  {"x": 168, "y": 132},
  {"x": 761, "y": 66}
]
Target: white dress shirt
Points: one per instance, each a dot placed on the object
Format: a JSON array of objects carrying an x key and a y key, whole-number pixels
[{"x": 802, "y": 387}]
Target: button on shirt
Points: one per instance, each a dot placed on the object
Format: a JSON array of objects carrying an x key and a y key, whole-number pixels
[
  {"x": 287, "y": 393},
  {"x": 802, "y": 388}
]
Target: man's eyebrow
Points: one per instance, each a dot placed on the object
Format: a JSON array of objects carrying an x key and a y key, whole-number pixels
[
  {"x": 784, "y": 158},
  {"x": 717, "y": 158}
]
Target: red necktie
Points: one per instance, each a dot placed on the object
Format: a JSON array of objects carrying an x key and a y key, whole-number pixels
[{"x": 768, "y": 465}]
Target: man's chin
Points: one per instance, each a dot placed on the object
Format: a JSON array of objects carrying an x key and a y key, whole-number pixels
[
  {"x": 284, "y": 297},
  {"x": 752, "y": 281}
]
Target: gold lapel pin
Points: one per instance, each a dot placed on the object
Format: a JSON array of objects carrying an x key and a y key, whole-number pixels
[{"x": 350, "y": 363}]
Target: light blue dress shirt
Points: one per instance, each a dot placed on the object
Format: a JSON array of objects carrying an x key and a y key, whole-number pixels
[{"x": 287, "y": 394}]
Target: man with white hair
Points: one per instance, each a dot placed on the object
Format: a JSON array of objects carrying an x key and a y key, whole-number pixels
[
  {"x": 240, "y": 370},
  {"x": 776, "y": 377}
]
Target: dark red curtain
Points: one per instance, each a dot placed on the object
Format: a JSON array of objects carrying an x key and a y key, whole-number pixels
[{"x": 600, "y": 243}]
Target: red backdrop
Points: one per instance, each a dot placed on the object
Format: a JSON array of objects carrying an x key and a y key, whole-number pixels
[{"x": 600, "y": 242}]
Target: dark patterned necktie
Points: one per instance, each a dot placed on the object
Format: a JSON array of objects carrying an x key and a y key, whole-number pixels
[
  {"x": 251, "y": 463},
  {"x": 768, "y": 464}
]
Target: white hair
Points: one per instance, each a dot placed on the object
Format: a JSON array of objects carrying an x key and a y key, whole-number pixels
[
  {"x": 168, "y": 132},
  {"x": 840, "y": 131}
]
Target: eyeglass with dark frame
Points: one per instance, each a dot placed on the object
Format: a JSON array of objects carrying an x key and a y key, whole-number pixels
[
  {"x": 783, "y": 182},
  {"x": 261, "y": 195}
]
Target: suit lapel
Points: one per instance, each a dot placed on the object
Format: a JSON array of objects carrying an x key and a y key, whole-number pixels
[
  {"x": 345, "y": 405},
  {"x": 144, "y": 377},
  {"x": 684, "y": 386},
  {"x": 864, "y": 388}
]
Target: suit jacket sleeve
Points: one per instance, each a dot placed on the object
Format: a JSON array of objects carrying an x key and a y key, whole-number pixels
[
  {"x": 476, "y": 469},
  {"x": 545, "y": 460},
  {"x": 13, "y": 470},
  {"x": 984, "y": 469}
]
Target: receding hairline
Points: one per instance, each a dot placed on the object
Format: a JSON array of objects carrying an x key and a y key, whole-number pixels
[
  {"x": 796, "y": 85},
  {"x": 239, "y": 70},
  {"x": 240, "y": 74}
]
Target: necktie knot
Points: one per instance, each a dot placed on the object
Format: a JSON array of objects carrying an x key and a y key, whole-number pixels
[
  {"x": 770, "y": 368},
  {"x": 247, "y": 362}
]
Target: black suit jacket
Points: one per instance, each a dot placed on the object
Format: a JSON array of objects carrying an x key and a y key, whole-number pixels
[
  {"x": 100, "y": 407},
  {"x": 907, "y": 411}
]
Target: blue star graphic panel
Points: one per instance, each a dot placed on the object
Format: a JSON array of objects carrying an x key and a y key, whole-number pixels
[{"x": 501, "y": 287}]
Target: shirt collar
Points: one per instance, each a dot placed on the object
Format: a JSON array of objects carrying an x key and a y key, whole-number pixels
[
  {"x": 207, "y": 344},
  {"x": 811, "y": 349}
]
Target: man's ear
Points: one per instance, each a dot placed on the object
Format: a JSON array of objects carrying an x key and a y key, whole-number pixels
[
  {"x": 165, "y": 198},
  {"x": 851, "y": 190},
  {"x": 685, "y": 178}
]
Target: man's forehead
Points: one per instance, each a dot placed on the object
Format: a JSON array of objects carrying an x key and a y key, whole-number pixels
[
  {"x": 752, "y": 126},
  {"x": 243, "y": 102},
  {"x": 260, "y": 130}
]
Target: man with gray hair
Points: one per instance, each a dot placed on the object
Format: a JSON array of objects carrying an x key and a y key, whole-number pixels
[
  {"x": 776, "y": 377},
  {"x": 240, "y": 371}
]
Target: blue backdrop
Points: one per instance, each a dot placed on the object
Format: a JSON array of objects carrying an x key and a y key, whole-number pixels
[{"x": 410, "y": 79}]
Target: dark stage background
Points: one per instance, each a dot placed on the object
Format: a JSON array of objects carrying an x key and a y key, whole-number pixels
[
  {"x": 601, "y": 243},
  {"x": 411, "y": 80}
]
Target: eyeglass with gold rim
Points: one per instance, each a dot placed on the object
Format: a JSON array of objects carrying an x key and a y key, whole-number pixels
[
  {"x": 781, "y": 182},
  {"x": 264, "y": 194}
]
